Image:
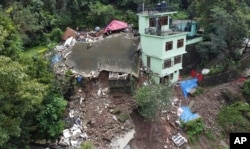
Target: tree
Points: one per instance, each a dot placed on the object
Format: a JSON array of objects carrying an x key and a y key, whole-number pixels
[
  {"x": 151, "y": 98},
  {"x": 225, "y": 25},
  {"x": 18, "y": 96},
  {"x": 49, "y": 118},
  {"x": 100, "y": 14},
  {"x": 10, "y": 41}
]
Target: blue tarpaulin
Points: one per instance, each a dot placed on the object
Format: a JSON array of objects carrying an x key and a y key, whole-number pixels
[
  {"x": 56, "y": 59},
  {"x": 79, "y": 78},
  {"x": 187, "y": 115},
  {"x": 187, "y": 85}
]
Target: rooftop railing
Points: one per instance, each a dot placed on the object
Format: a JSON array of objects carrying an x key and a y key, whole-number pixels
[{"x": 155, "y": 9}]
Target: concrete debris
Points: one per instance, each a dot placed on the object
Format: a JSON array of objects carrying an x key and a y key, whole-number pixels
[
  {"x": 120, "y": 142},
  {"x": 81, "y": 99},
  {"x": 127, "y": 147},
  {"x": 70, "y": 42},
  {"x": 102, "y": 92},
  {"x": 71, "y": 113},
  {"x": 66, "y": 133},
  {"x": 117, "y": 76},
  {"x": 179, "y": 140}
]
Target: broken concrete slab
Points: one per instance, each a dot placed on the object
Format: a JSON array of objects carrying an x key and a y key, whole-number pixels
[
  {"x": 67, "y": 133},
  {"x": 116, "y": 54},
  {"x": 121, "y": 141}
]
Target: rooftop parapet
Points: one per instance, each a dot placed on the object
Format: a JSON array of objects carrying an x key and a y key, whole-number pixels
[{"x": 162, "y": 7}]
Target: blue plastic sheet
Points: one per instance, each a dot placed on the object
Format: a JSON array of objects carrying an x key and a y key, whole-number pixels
[
  {"x": 79, "y": 79},
  {"x": 187, "y": 115},
  {"x": 56, "y": 59},
  {"x": 187, "y": 85}
]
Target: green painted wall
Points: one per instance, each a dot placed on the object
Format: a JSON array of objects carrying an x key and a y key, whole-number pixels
[{"x": 155, "y": 45}]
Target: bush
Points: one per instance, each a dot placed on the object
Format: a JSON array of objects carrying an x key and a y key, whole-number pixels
[
  {"x": 150, "y": 98},
  {"x": 246, "y": 90},
  {"x": 87, "y": 145},
  {"x": 194, "y": 128},
  {"x": 235, "y": 117},
  {"x": 198, "y": 91}
]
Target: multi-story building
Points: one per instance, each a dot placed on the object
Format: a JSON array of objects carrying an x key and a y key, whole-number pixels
[{"x": 162, "y": 46}]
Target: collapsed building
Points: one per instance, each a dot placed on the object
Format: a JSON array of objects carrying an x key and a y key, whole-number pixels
[{"x": 87, "y": 55}]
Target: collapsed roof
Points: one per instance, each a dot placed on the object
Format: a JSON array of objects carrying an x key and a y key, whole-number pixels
[
  {"x": 69, "y": 32},
  {"x": 117, "y": 53},
  {"x": 116, "y": 25}
]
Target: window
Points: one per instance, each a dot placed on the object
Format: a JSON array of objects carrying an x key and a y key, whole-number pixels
[
  {"x": 148, "y": 61},
  {"x": 171, "y": 76},
  {"x": 167, "y": 63},
  {"x": 164, "y": 20},
  {"x": 169, "y": 45},
  {"x": 177, "y": 59},
  {"x": 152, "y": 22},
  {"x": 180, "y": 43}
]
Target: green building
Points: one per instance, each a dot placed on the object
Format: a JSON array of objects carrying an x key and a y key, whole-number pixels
[{"x": 162, "y": 45}]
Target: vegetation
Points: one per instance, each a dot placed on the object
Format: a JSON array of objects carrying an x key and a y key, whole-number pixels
[
  {"x": 246, "y": 90},
  {"x": 225, "y": 24},
  {"x": 87, "y": 145},
  {"x": 151, "y": 98},
  {"x": 235, "y": 118},
  {"x": 194, "y": 128},
  {"x": 31, "y": 99}
]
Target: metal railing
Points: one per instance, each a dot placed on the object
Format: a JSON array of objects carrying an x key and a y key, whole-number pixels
[{"x": 153, "y": 10}]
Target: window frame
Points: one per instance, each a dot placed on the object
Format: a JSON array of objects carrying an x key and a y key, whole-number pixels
[
  {"x": 167, "y": 63},
  {"x": 169, "y": 45},
  {"x": 164, "y": 20},
  {"x": 180, "y": 43},
  {"x": 178, "y": 59}
]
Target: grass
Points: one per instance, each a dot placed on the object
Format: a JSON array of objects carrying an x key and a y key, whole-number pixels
[
  {"x": 39, "y": 49},
  {"x": 36, "y": 50}
]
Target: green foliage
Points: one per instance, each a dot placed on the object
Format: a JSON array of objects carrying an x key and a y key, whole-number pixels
[
  {"x": 246, "y": 90},
  {"x": 181, "y": 15},
  {"x": 116, "y": 111},
  {"x": 87, "y": 145},
  {"x": 54, "y": 36},
  {"x": 35, "y": 50},
  {"x": 198, "y": 91},
  {"x": 123, "y": 117},
  {"x": 50, "y": 124},
  {"x": 100, "y": 14},
  {"x": 225, "y": 25},
  {"x": 10, "y": 41},
  {"x": 216, "y": 69},
  {"x": 152, "y": 97},
  {"x": 18, "y": 95},
  {"x": 194, "y": 127},
  {"x": 235, "y": 118}
]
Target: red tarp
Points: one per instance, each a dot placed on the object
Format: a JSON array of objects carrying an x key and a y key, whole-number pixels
[
  {"x": 197, "y": 75},
  {"x": 116, "y": 25}
]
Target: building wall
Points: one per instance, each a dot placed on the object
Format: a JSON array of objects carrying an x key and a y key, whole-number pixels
[{"x": 155, "y": 45}]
